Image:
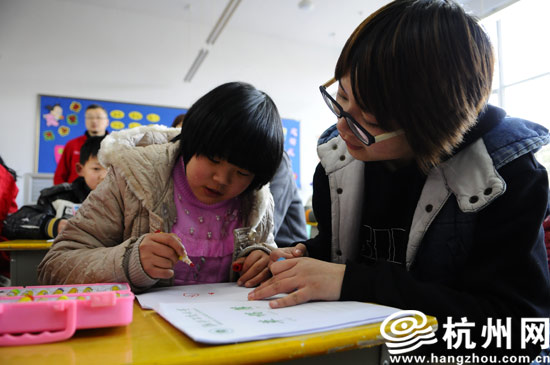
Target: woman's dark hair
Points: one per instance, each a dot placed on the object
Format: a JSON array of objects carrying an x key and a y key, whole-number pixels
[
  {"x": 238, "y": 123},
  {"x": 11, "y": 171},
  {"x": 424, "y": 66}
]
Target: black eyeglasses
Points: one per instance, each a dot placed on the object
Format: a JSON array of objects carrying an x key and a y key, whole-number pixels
[{"x": 361, "y": 133}]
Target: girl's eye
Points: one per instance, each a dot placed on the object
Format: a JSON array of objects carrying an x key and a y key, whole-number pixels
[
  {"x": 243, "y": 173},
  {"x": 213, "y": 160}
]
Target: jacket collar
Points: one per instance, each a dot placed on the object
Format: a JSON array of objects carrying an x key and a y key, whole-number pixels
[{"x": 489, "y": 118}]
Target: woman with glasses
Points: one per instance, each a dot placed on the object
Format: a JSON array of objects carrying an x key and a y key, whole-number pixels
[{"x": 427, "y": 197}]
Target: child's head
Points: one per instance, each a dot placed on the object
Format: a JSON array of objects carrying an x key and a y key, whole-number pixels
[
  {"x": 424, "y": 66},
  {"x": 96, "y": 120},
  {"x": 89, "y": 167},
  {"x": 237, "y": 123},
  {"x": 178, "y": 121}
]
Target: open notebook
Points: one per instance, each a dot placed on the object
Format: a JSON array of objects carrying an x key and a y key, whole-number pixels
[{"x": 221, "y": 313}]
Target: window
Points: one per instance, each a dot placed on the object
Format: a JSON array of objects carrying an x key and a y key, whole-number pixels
[{"x": 521, "y": 38}]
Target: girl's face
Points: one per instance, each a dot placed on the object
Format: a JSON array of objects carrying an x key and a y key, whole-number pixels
[
  {"x": 215, "y": 180},
  {"x": 395, "y": 148}
]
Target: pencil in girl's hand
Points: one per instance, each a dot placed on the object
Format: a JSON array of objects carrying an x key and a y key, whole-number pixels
[{"x": 185, "y": 258}]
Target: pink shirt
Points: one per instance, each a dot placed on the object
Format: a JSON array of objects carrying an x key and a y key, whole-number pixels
[{"x": 206, "y": 232}]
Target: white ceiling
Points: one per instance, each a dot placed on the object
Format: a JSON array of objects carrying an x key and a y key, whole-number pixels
[{"x": 326, "y": 23}]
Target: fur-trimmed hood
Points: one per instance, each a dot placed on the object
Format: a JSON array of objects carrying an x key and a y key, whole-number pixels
[{"x": 114, "y": 142}]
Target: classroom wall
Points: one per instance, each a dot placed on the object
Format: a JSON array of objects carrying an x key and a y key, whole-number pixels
[
  {"x": 70, "y": 48},
  {"x": 99, "y": 50}
]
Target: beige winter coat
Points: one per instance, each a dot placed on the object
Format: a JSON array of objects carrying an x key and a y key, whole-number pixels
[{"x": 100, "y": 244}]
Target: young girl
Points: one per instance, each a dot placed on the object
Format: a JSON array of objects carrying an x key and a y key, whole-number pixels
[
  {"x": 206, "y": 192},
  {"x": 426, "y": 197}
]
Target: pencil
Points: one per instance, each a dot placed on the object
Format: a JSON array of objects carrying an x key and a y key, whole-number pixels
[{"x": 184, "y": 257}]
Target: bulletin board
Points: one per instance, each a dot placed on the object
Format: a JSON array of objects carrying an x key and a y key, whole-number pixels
[
  {"x": 291, "y": 129},
  {"x": 61, "y": 119}
]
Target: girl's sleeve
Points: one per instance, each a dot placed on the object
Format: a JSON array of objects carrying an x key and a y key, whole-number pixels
[
  {"x": 92, "y": 248},
  {"x": 260, "y": 238}
]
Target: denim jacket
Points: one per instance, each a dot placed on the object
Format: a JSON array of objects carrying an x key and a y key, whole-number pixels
[{"x": 471, "y": 176}]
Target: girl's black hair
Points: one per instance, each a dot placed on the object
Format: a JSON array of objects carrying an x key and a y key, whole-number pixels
[
  {"x": 238, "y": 123},
  {"x": 11, "y": 171}
]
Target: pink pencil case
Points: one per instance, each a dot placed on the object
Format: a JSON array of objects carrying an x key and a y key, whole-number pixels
[{"x": 48, "y": 313}]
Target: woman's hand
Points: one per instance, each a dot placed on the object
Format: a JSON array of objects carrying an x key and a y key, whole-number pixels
[
  {"x": 305, "y": 279},
  {"x": 255, "y": 269},
  {"x": 158, "y": 253}
]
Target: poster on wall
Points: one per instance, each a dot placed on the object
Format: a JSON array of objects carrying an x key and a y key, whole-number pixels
[
  {"x": 291, "y": 129},
  {"x": 62, "y": 119}
]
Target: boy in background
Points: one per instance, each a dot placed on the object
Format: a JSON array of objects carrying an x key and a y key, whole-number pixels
[
  {"x": 96, "y": 125},
  {"x": 58, "y": 203}
]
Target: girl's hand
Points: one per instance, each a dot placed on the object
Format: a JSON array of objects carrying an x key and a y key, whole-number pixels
[
  {"x": 304, "y": 278},
  {"x": 288, "y": 252},
  {"x": 158, "y": 253},
  {"x": 255, "y": 269},
  {"x": 62, "y": 225}
]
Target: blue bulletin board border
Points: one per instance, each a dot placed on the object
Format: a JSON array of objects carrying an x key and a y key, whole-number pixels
[{"x": 61, "y": 119}]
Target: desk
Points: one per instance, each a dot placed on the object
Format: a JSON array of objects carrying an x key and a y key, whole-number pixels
[
  {"x": 25, "y": 255},
  {"x": 150, "y": 339}
]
